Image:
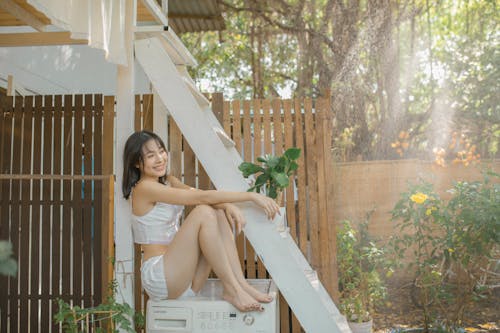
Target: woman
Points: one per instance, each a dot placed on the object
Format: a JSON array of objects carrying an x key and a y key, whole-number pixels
[{"x": 178, "y": 259}]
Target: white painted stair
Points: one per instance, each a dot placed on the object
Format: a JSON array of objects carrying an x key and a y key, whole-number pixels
[{"x": 297, "y": 282}]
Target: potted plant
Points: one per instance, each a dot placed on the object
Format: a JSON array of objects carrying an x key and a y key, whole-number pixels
[
  {"x": 360, "y": 284},
  {"x": 109, "y": 316},
  {"x": 273, "y": 174}
]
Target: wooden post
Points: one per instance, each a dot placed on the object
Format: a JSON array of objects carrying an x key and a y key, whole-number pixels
[
  {"x": 108, "y": 197},
  {"x": 328, "y": 190},
  {"x": 218, "y": 107},
  {"x": 107, "y": 245}
]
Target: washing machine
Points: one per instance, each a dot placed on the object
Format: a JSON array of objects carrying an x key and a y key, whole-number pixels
[{"x": 208, "y": 312}]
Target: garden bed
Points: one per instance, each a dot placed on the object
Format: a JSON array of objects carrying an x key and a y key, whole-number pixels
[{"x": 399, "y": 311}]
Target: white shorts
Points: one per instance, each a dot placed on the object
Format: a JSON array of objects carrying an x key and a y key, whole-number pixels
[{"x": 153, "y": 279}]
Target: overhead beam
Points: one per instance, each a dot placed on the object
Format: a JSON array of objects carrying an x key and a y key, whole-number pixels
[
  {"x": 39, "y": 39},
  {"x": 11, "y": 7},
  {"x": 156, "y": 11}
]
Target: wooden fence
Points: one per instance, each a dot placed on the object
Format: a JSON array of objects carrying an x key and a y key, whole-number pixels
[
  {"x": 260, "y": 127},
  {"x": 56, "y": 194}
]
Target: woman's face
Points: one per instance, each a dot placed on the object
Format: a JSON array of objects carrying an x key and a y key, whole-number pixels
[{"x": 155, "y": 158}]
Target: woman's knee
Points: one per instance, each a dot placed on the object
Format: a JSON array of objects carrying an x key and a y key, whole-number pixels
[{"x": 205, "y": 213}]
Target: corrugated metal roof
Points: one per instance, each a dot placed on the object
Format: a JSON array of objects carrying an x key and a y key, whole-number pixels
[
  {"x": 184, "y": 15},
  {"x": 195, "y": 16}
]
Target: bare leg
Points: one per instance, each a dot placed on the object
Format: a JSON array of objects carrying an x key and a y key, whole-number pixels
[
  {"x": 234, "y": 260},
  {"x": 200, "y": 234}
]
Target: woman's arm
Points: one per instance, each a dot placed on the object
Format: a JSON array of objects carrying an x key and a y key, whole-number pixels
[{"x": 153, "y": 192}]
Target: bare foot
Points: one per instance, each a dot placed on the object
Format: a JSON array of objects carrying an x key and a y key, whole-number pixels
[
  {"x": 242, "y": 301},
  {"x": 261, "y": 297}
]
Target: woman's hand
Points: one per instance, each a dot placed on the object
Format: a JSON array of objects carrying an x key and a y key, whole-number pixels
[
  {"x": 269, "y": 206},
  {"x": 235, "y": 217}
]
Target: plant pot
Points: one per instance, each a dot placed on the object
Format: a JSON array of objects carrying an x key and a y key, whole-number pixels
[{"x": 365, "y": 327}]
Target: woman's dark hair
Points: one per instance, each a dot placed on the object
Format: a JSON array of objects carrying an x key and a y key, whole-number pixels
[{"x": 133, "y": 155}]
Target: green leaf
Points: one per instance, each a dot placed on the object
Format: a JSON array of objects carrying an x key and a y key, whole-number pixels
[
  {"x": 292, "y": 153},
  {"x": 273, "y": 161},
  {"x": 281, "y": 179},
  {"x": 248, "y": 169}
]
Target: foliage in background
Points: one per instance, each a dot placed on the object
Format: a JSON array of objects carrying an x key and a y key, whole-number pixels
[
  {"x": 451, "y": 243},
  {"x": 427, "y": 68},
  {"x": 273, "y": 175},
  {"x": 109, "y": 316},
  {"x": 8, "y": 265},
  {"x": 359, "y": 262}
]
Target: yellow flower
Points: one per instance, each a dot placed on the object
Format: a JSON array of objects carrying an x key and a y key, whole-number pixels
[
  {"x": 428, "y": 212},
  {"x": 451, "y": 250},
  {"x": 419, "y": 197}
]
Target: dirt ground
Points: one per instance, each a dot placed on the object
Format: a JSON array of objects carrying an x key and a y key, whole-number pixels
[{"x": 399, "y": 311}]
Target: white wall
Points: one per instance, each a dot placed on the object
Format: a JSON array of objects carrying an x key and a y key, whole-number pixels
[{"x": 66, "y": 69}]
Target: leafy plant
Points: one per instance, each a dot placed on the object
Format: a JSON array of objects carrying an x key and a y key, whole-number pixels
[
  {"x": 8, "y": 265},
  {"x": 360, "y": 284},
  {"x": 109, "y": 316},
  {"x": 273, "y": 174},
  {"x": 451, "y": 241}
]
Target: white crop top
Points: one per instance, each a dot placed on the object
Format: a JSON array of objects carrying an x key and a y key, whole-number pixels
[{"x": 158, "y": 226}]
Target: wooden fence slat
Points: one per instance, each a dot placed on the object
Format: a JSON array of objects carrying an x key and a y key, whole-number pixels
[
  {"x": 289, "y": 192},
  {"x": 324, "y": 234},
  {"x": 77, "y": 201},
  {"x": 301, "y": 179},
  {"x": 311, "y": 171},
  {"x": 189, "y": 169},
  {"x": 257, "y": 131},
  {"x": 25, "y": 215},
  {"x": 5, "y": 145},
  {"x": 147, "y": 111},
  {"x": 67, "y": 224},
  {"x": 87, "y": 211},
  {"x": 175, "y": 151},
  {"x": 97, "y": 222},
  {"x": 56, "y": 225},
  {"x": 45, "y": 221},
  {"x": 277, "y": 127},
  {"x": 14, "y": 229},
  {"x": 138, "y": 114}
]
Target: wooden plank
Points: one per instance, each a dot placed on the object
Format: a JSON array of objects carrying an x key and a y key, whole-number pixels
[
  {"x": 218, "y": 107},
  {"x": 324, "y": 233},
  {"x": 108, "y": 135},
  {"x": 138, "y": 114},
  {"x": 67, "y": 224},
  {"x": 203, "y": 179},
  {"x": 77, "y": 201},
  {"x": 301, "y": 218},
  {"x": 237, "y": 125},
  {"x": 277, "y": 127},
  {"x": 87, "y": 200},
  {"x": 15, "y": 217},
  {"x": 45, "y": 222},
  {"x": 39, "y": 39},
  {"x": 312, "y": 192},
  {"x": 257, "y": 132},
  {"x": 96, "y": 198},
  {"x": 23, "y": 15},
  {"x": 175, "y": 150},
  {"x": 330, "y": 200},
  {"x": 284, "y": 315},
  {"x": 189, "y": 169},
  {"x": 56, "y": 225},
  {"x": 301, "y": 178},
  {"x": 289, "y": 192},
  {"x": 147, "y": 111},
  {"x": 107, "y": 234},
  {"x": 226, "y": 118},
  {"x": 248, "y": 156},
  {"x": 5, "y": 146},
  {"x": 25, "y": 215}
]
